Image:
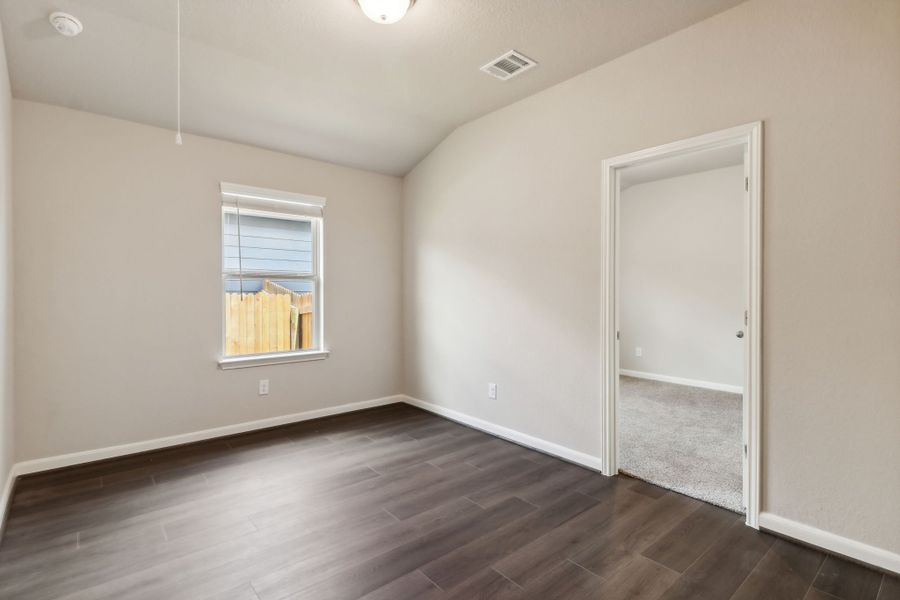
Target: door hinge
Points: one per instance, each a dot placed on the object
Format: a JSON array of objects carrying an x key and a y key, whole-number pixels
[
  {"x": 745, "y": 450},
  {"x": 618, "y": 336},
  {"x": 746, "y": 184},
  {"x": 746, "y": 317}
]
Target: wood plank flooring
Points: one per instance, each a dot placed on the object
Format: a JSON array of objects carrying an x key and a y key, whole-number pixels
[{"x": 389, "y": 504}]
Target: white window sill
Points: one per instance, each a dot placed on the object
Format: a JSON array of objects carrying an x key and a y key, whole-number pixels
[{"x": 258, "y": 360}]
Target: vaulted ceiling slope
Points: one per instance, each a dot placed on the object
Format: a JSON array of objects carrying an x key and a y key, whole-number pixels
[{"x": 316, "y": 78}]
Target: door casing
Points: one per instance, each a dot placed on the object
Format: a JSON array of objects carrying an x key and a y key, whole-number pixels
[{"x": 750, "y": 137}]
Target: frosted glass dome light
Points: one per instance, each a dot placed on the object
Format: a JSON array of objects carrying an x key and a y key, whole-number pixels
[{"x": 385, "y": 11}]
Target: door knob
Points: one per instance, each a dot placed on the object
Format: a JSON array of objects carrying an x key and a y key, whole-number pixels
[{"x": 740, "y": 334}]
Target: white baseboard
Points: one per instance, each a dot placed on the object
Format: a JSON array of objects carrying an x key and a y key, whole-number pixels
[
  {"x": 831, "y": 542},
  {"x": 834, "y": 543},
  {"x": 805, "y": 533},
  {"x": 76, "y": 458},
  {"x": 708, "y": 385},
  {"x": 523, "y": 439}
]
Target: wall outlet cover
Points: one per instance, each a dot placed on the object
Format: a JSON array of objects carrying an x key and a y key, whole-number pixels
[
  {"x": 263, "y": 387},
  {"x": 492, "y": 391}
]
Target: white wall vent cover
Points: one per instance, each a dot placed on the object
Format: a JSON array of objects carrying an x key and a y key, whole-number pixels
[{"x": 509, "y": 65}]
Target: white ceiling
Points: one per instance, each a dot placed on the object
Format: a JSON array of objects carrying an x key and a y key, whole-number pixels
[
  {"x": 315, "y": 77},
  {"x": 696, "y": 161}
]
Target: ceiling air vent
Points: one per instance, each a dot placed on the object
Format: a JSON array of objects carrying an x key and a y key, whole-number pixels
[{"x": 509, "y": 65}]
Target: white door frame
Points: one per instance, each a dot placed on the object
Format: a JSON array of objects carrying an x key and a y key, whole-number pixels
[{"x": 750, "y": 136}]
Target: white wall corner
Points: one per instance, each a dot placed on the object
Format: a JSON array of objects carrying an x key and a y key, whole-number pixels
[
  {"x": 523, "y": 439},
  {"x": 831, "y": 542}
]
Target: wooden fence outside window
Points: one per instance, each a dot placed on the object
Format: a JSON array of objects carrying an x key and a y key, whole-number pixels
[{"x": 274, "y": 319}]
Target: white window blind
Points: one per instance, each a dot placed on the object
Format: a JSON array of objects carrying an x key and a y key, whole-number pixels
[{"x": 261, "y": 199}]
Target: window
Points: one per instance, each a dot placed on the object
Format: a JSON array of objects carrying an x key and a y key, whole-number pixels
[{"x": 271, "y": 276}]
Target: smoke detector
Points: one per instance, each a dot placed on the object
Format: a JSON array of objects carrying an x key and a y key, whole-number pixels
[
  {"x": 66, "y": 24},
  {"x": 509, "y": 65}
]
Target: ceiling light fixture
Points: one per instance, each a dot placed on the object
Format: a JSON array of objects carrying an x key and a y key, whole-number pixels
[
  {"x": 66, "y": 24},
  {"x": 385, "y": 11}
]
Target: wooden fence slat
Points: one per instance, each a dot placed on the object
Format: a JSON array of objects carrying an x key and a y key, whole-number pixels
[
  {"x": 306, "y": 320},
  {"x": 306, "y": 330},
  {"x": 273, "y": 323},
  {"x": 235, "y": 325},
  {"x": 257, "y": 323},
  {"x": 264, "y": 322},
  {"x": 242, "y": 316},
  {"x": 250, "y": 304},
  {"x": 236, "y": 322},
  {"x": 279, "y": 323},
  {"x": 229, "y": 326},
  {"x": 236, "y": 307},
  {"x": 286, "y": 311},
  {"x": 295, "y": 323}
]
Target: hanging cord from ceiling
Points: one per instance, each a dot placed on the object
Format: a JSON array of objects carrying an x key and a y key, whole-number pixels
[{"x": 178, "y": 71}]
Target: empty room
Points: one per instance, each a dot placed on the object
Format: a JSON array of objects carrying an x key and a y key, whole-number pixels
[{"x": 450, "y": 299}]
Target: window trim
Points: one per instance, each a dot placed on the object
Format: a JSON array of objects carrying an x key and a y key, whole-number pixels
[
  {"x": 275, "y": 358},
  {"x": 320, "y": 351},
  {"x": 233, "y": 190}
]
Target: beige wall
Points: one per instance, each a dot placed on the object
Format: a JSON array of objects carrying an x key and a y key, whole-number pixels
[
  {"x": 683, "y": 273},
  {"x": 502, "y": 244},
  {"x": 118, "y": 284},
  {"x": 6, "y": 274}
]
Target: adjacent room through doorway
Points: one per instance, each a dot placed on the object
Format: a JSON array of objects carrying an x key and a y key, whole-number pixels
[{"x": 682, "y": 296}]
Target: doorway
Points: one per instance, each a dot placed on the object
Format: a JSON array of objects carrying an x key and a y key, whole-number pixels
[{"x": 681, "y": 316}]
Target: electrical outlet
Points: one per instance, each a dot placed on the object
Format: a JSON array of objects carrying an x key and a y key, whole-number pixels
[
  {"x": 492, "y": 391},
  {"x": 638, "y": 351},
  {"x": 263, "y": 387}
]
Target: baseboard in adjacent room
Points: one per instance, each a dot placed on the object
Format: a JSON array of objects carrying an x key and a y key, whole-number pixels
[
  {"x": 831, "y": 542},
  {"x": 707, "y": 385},
  {"x": 523, "y": 439}
]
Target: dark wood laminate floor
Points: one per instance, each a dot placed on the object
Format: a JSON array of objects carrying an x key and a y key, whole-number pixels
[{"x": 389, "y": 504}]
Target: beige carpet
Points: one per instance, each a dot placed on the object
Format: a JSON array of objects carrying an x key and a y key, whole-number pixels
[{"x": 682, "y": 438}]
